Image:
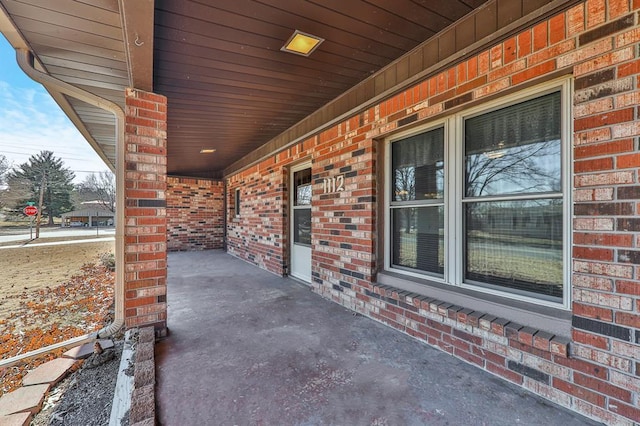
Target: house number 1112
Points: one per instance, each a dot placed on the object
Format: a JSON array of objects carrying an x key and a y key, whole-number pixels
[{"x": 333, "y": 184}]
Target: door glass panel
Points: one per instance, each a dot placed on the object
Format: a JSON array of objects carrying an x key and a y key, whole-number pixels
[
  {"x": 302, "y": 193},
  {"x": 302, "y": 226},
  {"x": 302, "y": 187}
]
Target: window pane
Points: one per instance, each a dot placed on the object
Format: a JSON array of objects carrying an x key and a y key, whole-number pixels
[
  {"x": 418, "y": 167},
  {"x": 418, "y": 238},
  {"x": 303, "y": 195},
  {"x": 515, "y": 244},
  {"x": 302, "y": 189},
  {"x": 515, "y": 149},
  {"x": 302, "y": 226}
]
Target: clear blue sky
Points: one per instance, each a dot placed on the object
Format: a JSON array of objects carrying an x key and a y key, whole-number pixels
[{"x": 31, "y": 121}]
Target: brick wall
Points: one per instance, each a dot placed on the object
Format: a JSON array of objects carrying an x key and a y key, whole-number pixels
[
  {"x": 145, "y": 210},
  {"x": 596, "y": 370},
  {"x": 195, "y": 209},
  {"x": 258, "y": 234}
]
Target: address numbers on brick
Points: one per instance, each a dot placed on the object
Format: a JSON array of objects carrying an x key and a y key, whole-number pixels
[{"x": 333, "y": 184}]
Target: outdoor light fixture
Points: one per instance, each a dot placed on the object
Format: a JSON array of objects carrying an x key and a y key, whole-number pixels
[
  {"x": 207, "y": 151},
  {"x": 495, "y": 154},
  {"x": 302, "y": 43}
]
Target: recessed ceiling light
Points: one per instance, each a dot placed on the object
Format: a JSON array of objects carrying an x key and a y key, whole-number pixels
[
  {"x": 207, "y": 151},
  {"x": 302, "y": 43}
]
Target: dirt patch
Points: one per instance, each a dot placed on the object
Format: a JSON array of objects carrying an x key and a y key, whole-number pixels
[
  {"x": 32, "y": 268},
  {"x": 49, "y": 294}
]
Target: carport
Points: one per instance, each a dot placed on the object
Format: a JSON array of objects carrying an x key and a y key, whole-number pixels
[{"x": 88, "y": 217}]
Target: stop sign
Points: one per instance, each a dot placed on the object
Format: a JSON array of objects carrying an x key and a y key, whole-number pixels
[{"x": 30, "y": 210}]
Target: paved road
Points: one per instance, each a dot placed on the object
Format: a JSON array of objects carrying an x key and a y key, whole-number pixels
[
  {"x": 8, "y": 235},
  {"x": 58, "y": 243}
]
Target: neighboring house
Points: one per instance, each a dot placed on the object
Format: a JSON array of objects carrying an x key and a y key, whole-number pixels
[
  {"x": 465, "y": 172},
  {"x": 88, "y": 216}
]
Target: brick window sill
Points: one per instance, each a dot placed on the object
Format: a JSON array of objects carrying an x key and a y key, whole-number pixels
[{"x": 537, "y": 327}]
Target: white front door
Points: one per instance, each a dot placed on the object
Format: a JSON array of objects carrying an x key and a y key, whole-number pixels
[{"x": 301, "y": 222}]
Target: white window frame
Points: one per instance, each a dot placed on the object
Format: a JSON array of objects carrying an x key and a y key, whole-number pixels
[
  {"x": 292, "y": 196},
  {"x": 425, "y": 203},
  {"x": 453, "y": 196}
]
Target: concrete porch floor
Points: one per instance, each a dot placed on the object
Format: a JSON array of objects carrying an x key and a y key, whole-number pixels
[{"x": 246, "y": 347}]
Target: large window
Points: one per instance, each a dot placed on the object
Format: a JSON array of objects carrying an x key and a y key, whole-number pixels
[
  {"x": 417, "y": 202},
  {"x": 480, "y": 200}
]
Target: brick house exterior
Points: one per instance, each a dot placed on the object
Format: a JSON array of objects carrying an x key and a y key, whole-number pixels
[
  {"x": 405, "y": 262},
  {"x": 593, "y": 367}
]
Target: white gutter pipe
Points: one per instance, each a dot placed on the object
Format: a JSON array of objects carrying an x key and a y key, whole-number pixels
[{"x": 26, "y": 62}]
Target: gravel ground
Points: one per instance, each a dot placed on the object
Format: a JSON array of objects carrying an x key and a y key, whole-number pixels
[{"x": 85, "y": 397}]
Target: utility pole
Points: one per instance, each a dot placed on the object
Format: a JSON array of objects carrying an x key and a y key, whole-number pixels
[{"x": 41, "y": 201}]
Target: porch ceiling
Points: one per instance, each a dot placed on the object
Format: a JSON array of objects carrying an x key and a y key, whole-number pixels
[
  {"x": 228, "y": 84},
  {"x": 231, "y": 88}
]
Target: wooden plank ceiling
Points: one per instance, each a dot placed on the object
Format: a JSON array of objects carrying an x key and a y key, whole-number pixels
[
  {"x": 81, "y": 43},
  {"x": 232, "y": 89},
  {"x": 229, "y": 86}
]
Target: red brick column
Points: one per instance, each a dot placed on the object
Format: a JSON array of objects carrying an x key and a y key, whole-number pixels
[{"x": 145, "y": 210}]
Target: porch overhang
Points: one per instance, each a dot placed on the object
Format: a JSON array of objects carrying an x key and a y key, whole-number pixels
[{"x": 229, "y": 86}]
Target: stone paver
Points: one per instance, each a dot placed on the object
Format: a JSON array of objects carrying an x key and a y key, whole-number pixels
[
  {"x": 85, "y": 351},
  {"x": 27, "y": 398},
  {"x": 50, "y": 372},
  {"x": 20, "y": 419},
  {"x": 142, "y": 404}
]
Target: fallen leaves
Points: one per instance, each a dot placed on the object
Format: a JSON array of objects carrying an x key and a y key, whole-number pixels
[{"x": 51, "y": 315}]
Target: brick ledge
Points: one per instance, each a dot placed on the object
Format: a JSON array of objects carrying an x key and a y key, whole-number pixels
[
  {"x": 463, "y": 318},
  {"x": 143, "y": 410}
]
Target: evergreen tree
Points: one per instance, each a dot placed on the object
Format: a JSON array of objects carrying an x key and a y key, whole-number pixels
[{"x": 44, "y": 177}]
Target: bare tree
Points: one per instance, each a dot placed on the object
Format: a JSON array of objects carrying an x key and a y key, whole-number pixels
[
  {"x": 15, "y": 193},
  {"x": 4, "y": 168},
  {"x": 100, "y": 187},
  {"x": 523, "y": 168},
  {"x": 405, "y": 184}
]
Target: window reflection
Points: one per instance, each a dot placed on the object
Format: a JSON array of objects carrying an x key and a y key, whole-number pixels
[
  {"x": 303, "y": 195},
  {"x": 515, "y": 244},
  {"x": 418, "y": 167},
  {"x": 515, "y": 149},
  {"x": 418, "y": 238},
  {"x": 302, "y": 189}
]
